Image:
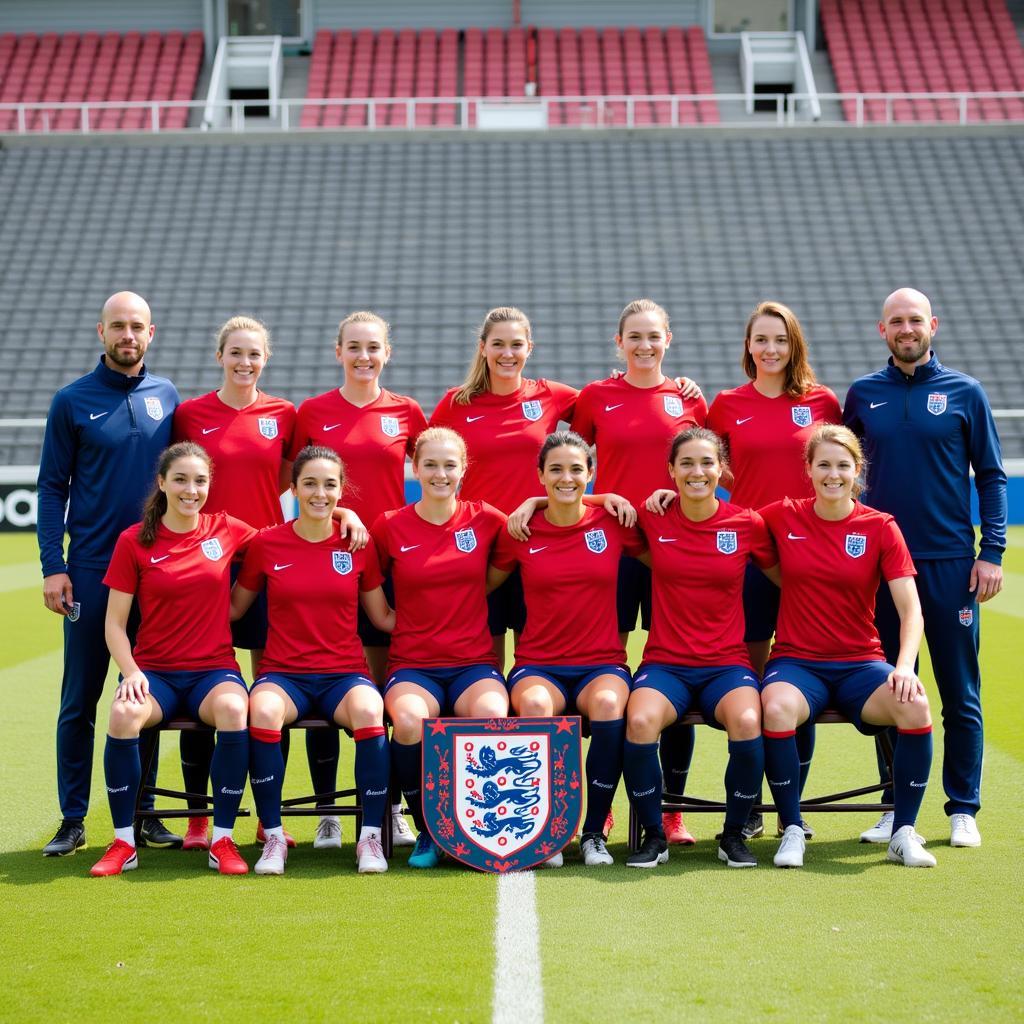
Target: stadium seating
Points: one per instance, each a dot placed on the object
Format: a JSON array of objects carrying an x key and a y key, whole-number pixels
[
  {"x": 88, "y": 67},
  {"x": 433, "y": 232},
  {"x": 584, "y": 62},
  {"x": 921, "y": 46}
]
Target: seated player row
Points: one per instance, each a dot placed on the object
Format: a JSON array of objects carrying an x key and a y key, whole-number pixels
[{"x": 440, "y": 551}]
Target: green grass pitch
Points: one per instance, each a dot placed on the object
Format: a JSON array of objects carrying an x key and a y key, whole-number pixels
[{"x": 849, "y": 936}]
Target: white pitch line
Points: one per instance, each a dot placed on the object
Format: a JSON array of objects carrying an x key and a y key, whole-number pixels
[{"x": 518, "y": 988}]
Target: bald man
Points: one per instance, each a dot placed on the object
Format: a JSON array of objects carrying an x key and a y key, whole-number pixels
[
  {"x": 925, "y": 427},
  {"x": 104, "y": 433}
]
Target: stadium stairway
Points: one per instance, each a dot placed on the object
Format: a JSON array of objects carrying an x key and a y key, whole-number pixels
[{"x": 433, "y": 232}]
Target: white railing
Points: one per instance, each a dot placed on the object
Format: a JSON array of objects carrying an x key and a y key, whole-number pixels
[{"x": 557, "y": 112}]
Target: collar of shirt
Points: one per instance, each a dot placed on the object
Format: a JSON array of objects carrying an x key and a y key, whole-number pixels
[
  {"x": 112, "y": 379},
  {"x": 921, "y": 373}
]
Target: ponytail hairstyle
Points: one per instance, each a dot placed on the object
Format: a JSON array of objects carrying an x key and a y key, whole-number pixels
[
  {"x": 699, "y": 434},
  {"x": 570, "y": 439},
  {"x": 834, "y": 433},
  {"x": 443, "y": 435},
  {"x": 156, "y": 503},
  {"x": 478, "y": 378},
  {"x": 317, "y": 451},
  {"x": 243, "y": 323},
  {"x": 800, "y": 377}
]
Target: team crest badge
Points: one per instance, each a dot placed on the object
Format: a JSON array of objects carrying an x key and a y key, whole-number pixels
[
  {"x": 465, "y": 540},
  {"x": 268, "y": 427},
  {"x": 154, "y": 410},
  {"x": 76, "y": 612},
  {"x": 342, "y": 561},
  {"x": 212, "y": 549},
  {"x": 502, "y": 794},
  {"x": 596, "y": 541},
  {"x": 532, "y": 410},
  {"x": 801, "y": 415},
  {"x": 673, "y": 405},
  {"x": 726, "y": 542},
  {"x": 856, "y": 544},
  {"x": 936, "y": 404},
  {"x": 389, "y": 426},
  {"x": 966, "y": 616}
]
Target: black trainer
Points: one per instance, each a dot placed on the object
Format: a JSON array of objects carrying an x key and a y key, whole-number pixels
[
  {"x": 153, "y": 832},
  {"x": 68, "y": 838},
  {"x": 734, "y": 852},
  {"x": 754, "y": 826},
  {"x": 653, "y": 851},
  {"x": 808, "y": 831}
]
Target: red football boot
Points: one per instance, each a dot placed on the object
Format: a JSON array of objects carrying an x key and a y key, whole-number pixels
[
  {"x": 676, "y": 831},
  {"x": 261, "y": 836},
  {"x": 197, "y": 836},
  {"x": 120, "y": 856},
  {"x": 224, "y": 856}
]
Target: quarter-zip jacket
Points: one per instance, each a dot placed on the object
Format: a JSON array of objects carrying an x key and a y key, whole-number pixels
[
  {"x": 922, "y": 435},
  {"x": 104, "y": 435}
]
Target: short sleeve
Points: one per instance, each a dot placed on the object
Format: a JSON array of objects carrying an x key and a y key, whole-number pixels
[
  {"x": 379, "y": 536},
  {"x": 288, "y": 423},
  {"x": 123, "y": 572},
  {"x": 633, "y": 542},
  {"x": 830, "y": 411},
  {"x": 252, "y": 577},
  {"x": 241, "y": 534},
  {"x": 700, "y": 411},
  {"x": 496, "y": 521},
  {"x": 771, "y": 515},
  {"x": 417, "y": 424},
  {"x": 895, "y": 561},
  {"x": 442, "y": 414},
  {"x": 371, "y": 577},
  {"x": 300, "y": 431},
  {"x": 565, "y": 398},
  {"x": 583, "y": 415},
  {"x": 762, "y": 547},
  {"x": 717, "y": 419},
  {"x": 505, "y": 554}
]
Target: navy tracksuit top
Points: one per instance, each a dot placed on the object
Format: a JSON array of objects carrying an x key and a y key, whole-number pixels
[
  {"x": 922, "y": 434},
  {"x": 104, "y": 435}
]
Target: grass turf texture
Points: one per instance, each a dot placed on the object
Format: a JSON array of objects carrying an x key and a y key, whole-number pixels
[{"x": 848, "y": 935}]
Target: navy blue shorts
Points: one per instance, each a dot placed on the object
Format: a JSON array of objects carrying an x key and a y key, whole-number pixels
[
  {"x": 369, "y": 634},
  {"x": 569, "y": 680},
  {"x": 760, "y": 605},
  {"x": 506, "y": 606},
  {"x": 682, "y": 685},
  {"x": 320, "y": 691},
  {"x": 183, "y": 692},
  {"x": 249, "y": 633},
  {"x": 843, "y": 685},
  {"x": 633, "y": 594},
  {"x": 445, "y": 685}
]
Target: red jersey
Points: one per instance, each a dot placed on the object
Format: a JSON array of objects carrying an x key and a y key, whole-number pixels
[
  {"x": 372, "y": 440},
  {"x": 183, "y": 586},
  {"x": 440, "y": 579},
  {"x": 830, "y": 574},
  {"x": 312, "y": 594},
  {"x": 767, "y": 437},
  {"x": 697, "y": 574},
  {"x": 247, "y": 447},
  {"x": 569, "y": 580},
  {"x": 503, "y": 435},
  {"x": 633, "y": 430}
]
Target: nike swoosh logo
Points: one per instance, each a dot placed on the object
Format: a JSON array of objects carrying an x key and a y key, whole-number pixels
[
  {"x": 609, "y": 408},
  {"x": 473, "y": 419},
  {"x": 209, "y": 430},
  {"x": 875, "y": 405},
  {"x": 287, "y": 565},
  {"x": 327, "y": 429},
  {"x": 160, "y": 559},
  {"x": 409, "y": 548},
  {"x": 793, "y": 536},
  {"x": 534, "y": 551},
  {"x": 97, "y": 415},
  {"x": 748, "y": 418},
  {"x": 665, "y": 540}
]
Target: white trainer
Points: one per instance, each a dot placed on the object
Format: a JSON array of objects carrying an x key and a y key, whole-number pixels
[
  {"x": 370, "y": 856},
  {"x": 880, "y": 832},
  {"x": 275, "y": 853},
  {"x": 963, "y": 830},
  {"x": 905, "y": 848},
  {"x": 595, "y": 850},
  {"x": 328, "y": 833},
  {"x": 401, "y": 834},
  {"x": 790, "y": 853},
  {"x": 554, "y": 862}
]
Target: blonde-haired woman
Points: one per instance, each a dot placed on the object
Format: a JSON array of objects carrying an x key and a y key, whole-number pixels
[{"x": 833, "y": 554}]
